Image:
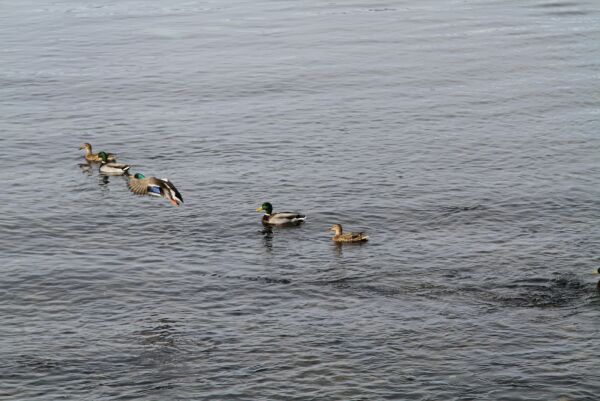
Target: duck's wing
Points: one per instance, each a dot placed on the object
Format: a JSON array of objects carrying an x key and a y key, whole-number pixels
[
  {"x": 121, "y": 166},
  {"x": 286, "y": 217},
  {"x": 138, "y": 187},
  {"x": 168, "y": 185},
  {"x": 289, "y": 215},
  {"x": 114, "y": 168},
  {"x": 358, "y": 236}
]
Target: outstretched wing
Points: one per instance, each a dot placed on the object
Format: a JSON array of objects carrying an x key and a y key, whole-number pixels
[
  {"x": 138, "y": 187},
  {"x": 174, "y": 192}
]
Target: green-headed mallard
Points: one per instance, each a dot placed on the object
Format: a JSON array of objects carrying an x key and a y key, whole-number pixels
[
  {"x": 142, "y": 185},
  {"x": 112, "y": 168},
  {"x": 93, "y": 157},
  {"x": 340, "y": 236},
  {"x": 280, "y": 218}
]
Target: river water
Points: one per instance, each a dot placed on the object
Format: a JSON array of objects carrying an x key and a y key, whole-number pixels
[{"x": 461, "y": 135}]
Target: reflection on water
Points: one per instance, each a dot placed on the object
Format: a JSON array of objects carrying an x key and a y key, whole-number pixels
[
  {"x": 267, "y": 236},
  {"x": 103, "y": 181},
  {"x": 86, "y": 168},
  {"x": 337, "y": 248}
]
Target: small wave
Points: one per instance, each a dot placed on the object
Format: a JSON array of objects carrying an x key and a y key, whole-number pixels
[
  {"x": 567, "y": 13},
  {"x": 266, "y": 280},
  {"x": 561, "y": 9},
  {"x": 38, "y": 364},
  {"x": 555, "y": 4},
  {"x": 563, "y": 290},
  {"x": 450, "y": 210},
  {"x": 161, "y": 335},
  {"x": 259, "y": 279}
]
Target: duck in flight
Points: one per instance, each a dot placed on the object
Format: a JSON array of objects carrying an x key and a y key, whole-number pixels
[{"x": 139, "y": 184}]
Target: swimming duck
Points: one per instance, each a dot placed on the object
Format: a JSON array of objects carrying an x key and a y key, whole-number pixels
[
  {"x": 340, "y": 236},
  {"x": 112, "y": 168},
  {"x": 93, "y": 157},
  {"x": 597, "y": 271},
  {"x": 280, "y": 218},
  {"x": 139, "y": 184}
]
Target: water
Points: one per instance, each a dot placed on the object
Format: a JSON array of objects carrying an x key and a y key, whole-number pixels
[{"x": 462, "y": 136}]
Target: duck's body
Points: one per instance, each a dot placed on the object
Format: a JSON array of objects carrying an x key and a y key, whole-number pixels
[
  {"x": 341, "y": 236},
  {"x": 279, "y": 218},
  {"x": 141, "y": 185},
  {"x": 94, "y": 157},
  {"x": 112, "y": 168}
]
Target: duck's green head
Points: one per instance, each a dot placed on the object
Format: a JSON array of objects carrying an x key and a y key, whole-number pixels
[
  {"x": 104, "y": 156},
  {"x": 267, "y": 207},
  {"x": 139, "y": 176}
]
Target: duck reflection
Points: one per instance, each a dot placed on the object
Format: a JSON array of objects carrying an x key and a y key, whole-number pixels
[
  {"x": 103, "y": 182},
  {"x": 267, "y": 233},
  {"x": 86, "y": 168},
  {"x": 337, "y": 249}
]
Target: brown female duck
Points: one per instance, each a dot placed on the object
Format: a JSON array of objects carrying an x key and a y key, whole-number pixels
[
  {"x": 340, "y": 236},
  {"x": 94, "y": 157}
]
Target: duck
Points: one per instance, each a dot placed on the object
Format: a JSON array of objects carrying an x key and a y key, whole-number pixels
[
  {"x": 93, "y": 157},
  {"x": 340, "y": 236},
  {"x": 112, "y": 168},
  {"x": 279, "y": 218},
  {"x": 139, "y": 184},
  {"x": 597, "y": 271}
]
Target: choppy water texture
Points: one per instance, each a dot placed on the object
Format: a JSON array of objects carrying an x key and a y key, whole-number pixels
[{"x": 461, "y": 135}]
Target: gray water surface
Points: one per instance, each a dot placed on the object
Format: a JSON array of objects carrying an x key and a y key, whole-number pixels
[{"x": 461, "y": 135}]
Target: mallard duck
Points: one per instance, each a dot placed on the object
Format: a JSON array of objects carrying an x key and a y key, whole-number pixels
[
  {"x": 93, "y": 157},
  {"x": 142, "y": 185},
  {"x": 340, "y": 236},
  {"x": 280, "y": 218},
  {"x": 597, "y": 271},
  {"x": 112, "y": 168}
]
